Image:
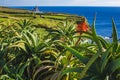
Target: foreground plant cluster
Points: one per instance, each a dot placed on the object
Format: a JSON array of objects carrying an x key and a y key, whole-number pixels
[{"x": 24, "y": 55}]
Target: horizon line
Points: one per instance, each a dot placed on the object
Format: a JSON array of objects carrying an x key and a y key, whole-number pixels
[{"x": 55, "y": 6}]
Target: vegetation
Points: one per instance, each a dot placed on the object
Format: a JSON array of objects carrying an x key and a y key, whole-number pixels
[
  {"x": 28, "y": 52},
  {"x": 45, "y": 19}
]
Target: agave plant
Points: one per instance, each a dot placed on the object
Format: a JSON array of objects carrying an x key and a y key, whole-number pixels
[
  {"x": 103, "y": 64},
  {"x": 32, "y": 55},
  {"x": 29, "y": 47},
  {"x": 61, "y": 61},
  {"x": 65, "y": 32},
  {"x": 24, "y": 56},
  {"x": 52, "y": 69},
  {"x": 24, "y": 24}
]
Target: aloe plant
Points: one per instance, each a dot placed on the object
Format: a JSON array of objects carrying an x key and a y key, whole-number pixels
[
  {"x": 24, "y": 24},
  {"x": 65, "y": 32},
  {"x": 100, "y": 65},
  {"x": 24, "y": 56}
]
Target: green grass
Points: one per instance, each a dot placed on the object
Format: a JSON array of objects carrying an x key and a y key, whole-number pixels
[
  {"x": 55, "y": 16},
  {"x": 44, "y": 21},
  {"x": 12, "y": 10},
  {"x": 48, "y": 19},
  {"x": 41, "y": 32}
]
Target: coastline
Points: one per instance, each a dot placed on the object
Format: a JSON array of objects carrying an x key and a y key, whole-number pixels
[{"x": 48, "y": 19}]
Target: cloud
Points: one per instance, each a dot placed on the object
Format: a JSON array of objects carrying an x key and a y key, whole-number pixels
[
  {"x": 95, "y": 3},
  {"x": 60, "y": 2},
  {"x": 82, "y": 3},
  {"x": 18, "y": 2},
  {"x": 54, "y": 2}
]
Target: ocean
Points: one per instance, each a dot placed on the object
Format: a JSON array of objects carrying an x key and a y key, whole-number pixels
[{"x": 104, "y": 16}]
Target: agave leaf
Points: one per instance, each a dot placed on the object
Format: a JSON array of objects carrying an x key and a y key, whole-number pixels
[
  {"x": 55, "y": 76},
  {"x": 118, "y": 50},
  {"x": 5, "y": 77},
  {"x": 95, "y": 37},
  {"x": 90, "y": 62},
  {"x": 43, "y": 74},
  {"x": 19, "y": 44},
  {"x": 76, "y": 53},
  {"x": 40, "y": 47},
  {"x": 28, "y": 41},
  {"x": 48, "y": 77},
  {"x": 18, "y": 77},
  {"x": 93, "y": 78},
  {"x": 104, "y": 43},
  {"x": 33, "y": 38},
  {"x": 70, "y": 70},
  {"x": 64, "y": 60},
  {"x": 8, "y": 71},
  {"x": 84, "y": 36},
  {"x": 4, "y": 29},
  {"x": 52, "y": 52},
  {"x": 115, "y": 36},
  {"x": 48, "y": 62},
  {"x": 24, "y": 23},
  {"x": 105, "y": 58},
  {"x": 22, "y": 68},
  {"x": 40, "y": 69},
  {"x": 90, "y": 51},
  {"x": 114, "y": 65}
]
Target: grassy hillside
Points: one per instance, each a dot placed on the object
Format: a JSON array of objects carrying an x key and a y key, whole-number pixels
[
  {"x": 46, "y": 19},
  {"x": 44, "y": 22}
]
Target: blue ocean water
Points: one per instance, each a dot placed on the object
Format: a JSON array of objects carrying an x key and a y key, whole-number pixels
[{"x": 103, "y": 16}]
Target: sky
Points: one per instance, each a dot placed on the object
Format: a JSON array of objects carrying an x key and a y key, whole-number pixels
[{"x": 59, "y": 2}]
